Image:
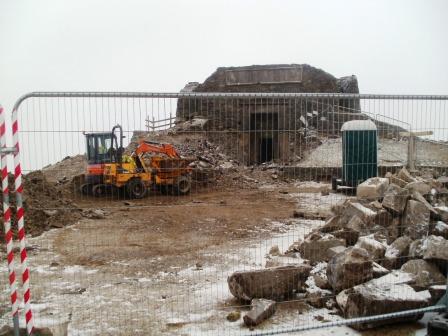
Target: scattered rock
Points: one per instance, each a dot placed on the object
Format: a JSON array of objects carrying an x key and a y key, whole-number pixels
[
  {"x": 437, "y": 292},
  {"x": 440, "y": 229},
  {"x": 418, "y": 186},
  {"x": 426, "y": 274},
  {"x": 351, "y": 267},
  {"x": 443, "y": 212},
  {"x": 261, "y": 310},
  {"x": 274, "y": 251},
  {"x": 269, "y": 283},
  {"x": 416, "y": 220},
  {"x": 372, "y": 188},
  {"x": 378, "y": 270},
  {"x": 50, "y": 213},
  {"x": 383, "y": 218},
  {"x": 404, "y": 175},
  {"x": 319, "y": 274},
  {"x": 375, "y": 249},
  {"x": 395, "y": 199},
  {"x": 380, "y": 297},
  {"x": 398, "y": 181},
  {"x": 315, "y": 246},
  {"x": 415, "y": 249},
  {"x": 281, "y": 260},
  {"x": 332, "y": 224},
  {"x": 435, "y": 248},
  {"x": 397, "y": 252},
  {"x": 234, "y": 316},
  {"x": 350, "y": 236},
  {"x": 331, "y": 252},
  {"x": 298, "y": 214},
  {"x": 418, "y": 197}
]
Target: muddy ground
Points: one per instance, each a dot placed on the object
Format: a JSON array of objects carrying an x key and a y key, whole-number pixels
[{"x": 159, "y": 265}]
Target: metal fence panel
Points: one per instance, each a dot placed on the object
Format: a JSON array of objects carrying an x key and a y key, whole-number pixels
[{"x": 261, "y": 167}]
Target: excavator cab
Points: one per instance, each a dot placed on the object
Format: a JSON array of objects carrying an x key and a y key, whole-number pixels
[{"x": 102, "y": 148}]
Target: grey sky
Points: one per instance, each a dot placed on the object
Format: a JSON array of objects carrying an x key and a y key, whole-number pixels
[{"x": 392, "y": 46}]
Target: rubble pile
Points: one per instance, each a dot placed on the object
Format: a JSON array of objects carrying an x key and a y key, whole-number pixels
[
  {"x": 384, "y": 251},
  {"x": 45, "y": 205}
]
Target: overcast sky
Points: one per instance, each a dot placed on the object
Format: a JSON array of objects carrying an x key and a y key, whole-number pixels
[
  {"x": 392, "y": 46},
  {"x": 114, "y": 45}
]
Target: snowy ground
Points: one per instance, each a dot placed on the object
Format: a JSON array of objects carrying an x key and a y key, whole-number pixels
[{"x": 193, "y": 299}]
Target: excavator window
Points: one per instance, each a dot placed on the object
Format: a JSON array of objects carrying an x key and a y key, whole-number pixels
[{"x": 100, "y": 148}]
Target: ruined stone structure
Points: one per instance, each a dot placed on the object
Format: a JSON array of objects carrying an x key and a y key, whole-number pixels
[{"x": 265, "y": 129}]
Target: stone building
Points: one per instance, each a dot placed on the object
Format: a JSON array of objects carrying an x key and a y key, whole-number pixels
[{"x": 258, "y": 130}]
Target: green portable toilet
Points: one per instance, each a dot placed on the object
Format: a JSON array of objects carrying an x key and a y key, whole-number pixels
[{"x": 359, "y": 151}]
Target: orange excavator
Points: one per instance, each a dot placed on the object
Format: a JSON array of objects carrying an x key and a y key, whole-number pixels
[{"x": 109, "y": 169}]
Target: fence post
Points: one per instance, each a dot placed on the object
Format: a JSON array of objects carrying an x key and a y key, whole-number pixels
[
  {"x": 21, "y": 223},
  {"x": 153, "y": 124},
  {"x": 7, "y": 225}
]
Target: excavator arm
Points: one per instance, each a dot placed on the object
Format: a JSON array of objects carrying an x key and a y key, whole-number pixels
[{"x": 156, "y": 147}]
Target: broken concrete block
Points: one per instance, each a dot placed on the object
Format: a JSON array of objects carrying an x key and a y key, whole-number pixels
[
  {"x": 419, "y": 186},
  {"x": 393, "y": 231},
  {"x": 316, "y": 296},
  {"x": 261, "y": 309},
  {"x": 416, "y": 249},
  {"x": 350, "y": 236},
  {"x": 279, "y": 261},
  {"x": 375, "y": 249},
  {"x": 332, "y": 224},
  {"x": 356, "y": 224},
  {"x": 395, "y": 199},
  {"x": 415, "y": 222},
  {"x": 381, "y": 297},
  {"x": 351, "y": 267},
  {"x": 443, "y": 212},
  {"x": 418, "y": 197},
  {"x": 383, "y": 218},
  {"x": 404, "y": 175},
  {"x": 365, "y": 214},
  {"x": 319, "y": 274},
  {"x": 440, "y": 229},
  {"x": 398, "y": 181},
  {"x": 426, "y": 274},
  {"x": 269, "y": 283},
  {"x": 378, "y": 270},
  {"x": 435, "y": 248},
  {"x": 314, "y": 247},
  {"x": 397, "y": 252},
  {"x": 437, "y": 292},
  {"x": 234, "y": 316},
  {"x": 274, "y": 250},
  {"x": 372, "y": 188},
  {"x": 331, "y": 252}
]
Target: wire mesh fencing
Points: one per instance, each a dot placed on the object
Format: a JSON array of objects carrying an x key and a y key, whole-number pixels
[{"x": 208, "y": 213}]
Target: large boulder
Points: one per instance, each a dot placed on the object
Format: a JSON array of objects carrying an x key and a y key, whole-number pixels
[
  {"x": 375, "y": 249},
  {"x": 315, "y": 246},
  {"x": 270, "y": 283},
  {"x": 372, "y": 188},
  {"x": 419, "y": 186},
  {"x": 348, "y": 268},
  {"x": 381, "y": 296},
  {"x": 419, "y": 197},
  {"x": 261, "y": 309},
  {"x": 416, "y": 220},
  {"x": 404, "y": 175},
  {"x": 435, "y": 248},
  {"x": 395, "y": 199},
  {"x": 426, "y": 274},
  {"x": 397, "y": 252}
]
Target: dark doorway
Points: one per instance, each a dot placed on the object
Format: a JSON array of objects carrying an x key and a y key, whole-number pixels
[{"x": 266, "y": 150}]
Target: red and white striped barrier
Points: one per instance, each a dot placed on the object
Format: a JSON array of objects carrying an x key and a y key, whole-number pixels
[
  {"x": 20, "y": 223},
  {"x": 7, "y": 220}
]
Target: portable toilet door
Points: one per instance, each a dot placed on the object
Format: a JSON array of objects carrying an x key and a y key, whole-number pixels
[{"x": 359, "y": 151}]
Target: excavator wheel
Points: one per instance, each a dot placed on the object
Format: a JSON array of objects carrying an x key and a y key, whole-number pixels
[
  {"x": 99, "y": 190},
  {"x": 86, "y": 189},
  {"x": 136, "y": 188},
  {"x": 182, "y": 186}
]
